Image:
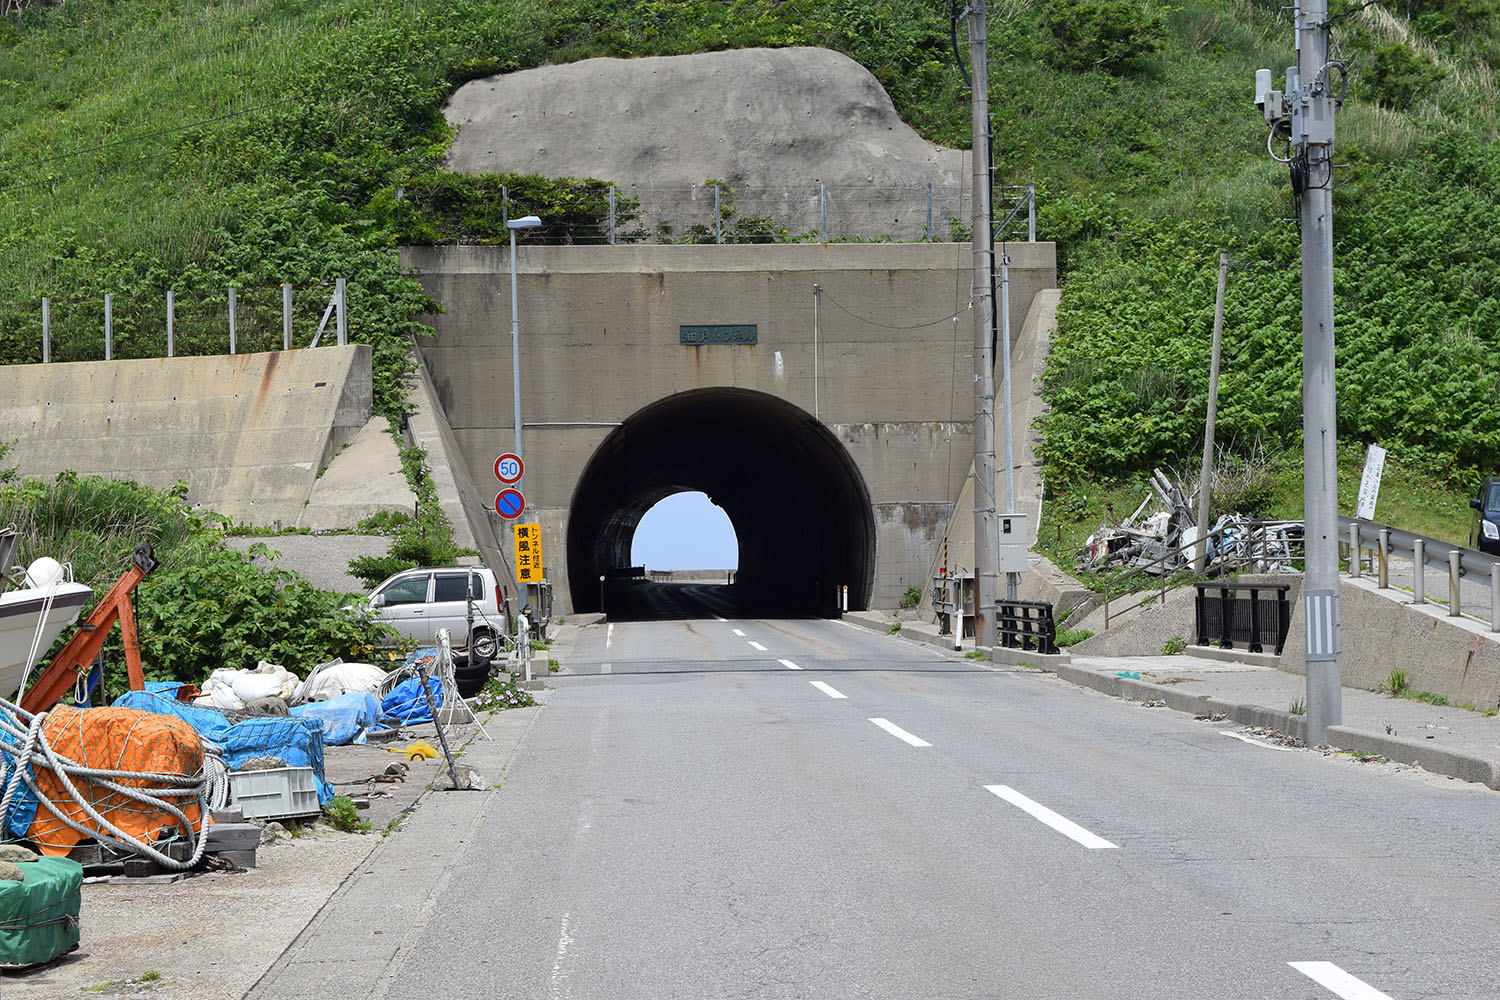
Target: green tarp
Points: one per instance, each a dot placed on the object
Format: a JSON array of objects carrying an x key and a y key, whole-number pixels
[{"x": 39, "y": 916}]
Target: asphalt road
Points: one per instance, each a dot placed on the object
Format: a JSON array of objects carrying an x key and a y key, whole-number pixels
[{"x": 799, "y": 809}]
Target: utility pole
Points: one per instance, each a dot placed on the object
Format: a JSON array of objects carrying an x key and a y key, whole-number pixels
[
  {"x": 986, "y": 542},
  {"x": 1205, "y": 475},
  {"x": 1304, "y": 115}
]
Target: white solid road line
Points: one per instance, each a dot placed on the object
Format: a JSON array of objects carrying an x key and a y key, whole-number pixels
[
  {"x": 1342, "y": 984},
  {"x": 738, "y": 632},
  {"x": 561, "y": 970},
  {"x": 609, "y": 635},
  {"x": 1330, "y": 976},
  {"x": 789, "y": 664},
  {"x": 827, "y": 689},
  {"x": 1064, "y": 826},
  {"x": 757, "y": 645},
  {"x": 900, "y": 733},
  {"x": 605, "y": 668}
]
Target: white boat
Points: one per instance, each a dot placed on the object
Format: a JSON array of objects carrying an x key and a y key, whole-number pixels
[{"x": 34, "y": 614}]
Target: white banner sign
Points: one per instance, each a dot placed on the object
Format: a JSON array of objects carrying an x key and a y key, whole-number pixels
[{"x": 1369, "y": 483}]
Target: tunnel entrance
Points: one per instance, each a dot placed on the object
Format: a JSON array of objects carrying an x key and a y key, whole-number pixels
[{"x": 799, "y": 506}]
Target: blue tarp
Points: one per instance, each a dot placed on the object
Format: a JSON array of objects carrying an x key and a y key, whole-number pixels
[
  {"x": 344, "y": 719},
  {"x": 405, "y": 704},
  {"x": 297, "y": 741}
]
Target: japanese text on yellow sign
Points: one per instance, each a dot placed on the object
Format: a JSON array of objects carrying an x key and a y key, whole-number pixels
[{"x": 528, "y": 542}]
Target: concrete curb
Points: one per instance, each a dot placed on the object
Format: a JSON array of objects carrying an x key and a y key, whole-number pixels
[
  {"x": 1438, "y": 760},
  {"x": 909, "y": 634}
]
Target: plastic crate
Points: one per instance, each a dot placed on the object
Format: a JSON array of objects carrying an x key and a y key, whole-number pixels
[{"x": 278, "y": 793}]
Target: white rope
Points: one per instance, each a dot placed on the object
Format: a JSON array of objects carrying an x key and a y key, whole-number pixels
[
  {"x": 210, "y": 788},
  {"x": 41, "y": 628}
]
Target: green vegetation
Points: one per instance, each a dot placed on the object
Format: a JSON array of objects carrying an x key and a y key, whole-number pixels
[
  {"x": 1397, "y": 685},
  {"x": 343, "y": 815},
  {"x": 1297, "y": 707},
  {"x": 553, "y": 666},
  {"x": 1072, "y": 636},
  {"x": 912, "y": 597},
  {"x": 894, "y": 628},
  {"x": 206, "y": 605},
  {"x": 500, "y": 693},
  {"x": 1174, "y": 645},
  {"x": 147, "y": 145}
]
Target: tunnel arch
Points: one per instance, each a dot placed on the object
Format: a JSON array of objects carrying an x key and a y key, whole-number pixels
[{"x": 799, "y": 506}]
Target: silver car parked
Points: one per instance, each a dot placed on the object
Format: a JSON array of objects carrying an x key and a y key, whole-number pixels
[{"x": 463, "y": 599}]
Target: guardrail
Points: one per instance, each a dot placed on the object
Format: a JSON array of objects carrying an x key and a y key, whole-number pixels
[{"x": 1382, "y": 541}]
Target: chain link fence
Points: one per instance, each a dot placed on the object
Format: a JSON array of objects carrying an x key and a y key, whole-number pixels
[{"x": 232, "y": 321}]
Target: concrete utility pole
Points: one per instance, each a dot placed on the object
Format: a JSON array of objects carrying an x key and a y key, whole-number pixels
[
  {"x": 1205, "y": 475},
  {"x": 986, "y": 542},
  {"x": 1306, "y": 112}
]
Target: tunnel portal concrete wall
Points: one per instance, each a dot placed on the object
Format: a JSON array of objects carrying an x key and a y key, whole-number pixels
[
  {"x": 249, "y": 433},
  {"x": 600, "y": 341}
]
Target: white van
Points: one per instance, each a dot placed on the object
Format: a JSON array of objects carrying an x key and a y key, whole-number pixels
[{"x": 418, "y": 602}]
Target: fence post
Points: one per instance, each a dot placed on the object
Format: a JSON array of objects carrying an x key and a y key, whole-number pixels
[
  {"x": 109, "y": 326},
  {"x": 1031, "y": 213},
  {"x": 171, "y": 323},
  {"x": 1384, "y": 575},
  {"x": 1419, "y": 574},
  {"x": 823, "y": 211},
  {"x": 928, "y": 237},
  {"x": 1495, "y": 597},
  {"x": 1455, "y": 570},
  {"x": 46, "y": 330},
  {"x": 286, "y": 316},
  {"x": 232, "y": 319},
  {"x": 718, "y": 230},
  {"x": 1354, "y": 559},
  {"x": 504, "y": 204},
  {"x": 611, "y": 215},
  {"x": 341, "y": 290}
]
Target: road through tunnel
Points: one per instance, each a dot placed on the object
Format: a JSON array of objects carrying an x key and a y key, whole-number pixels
[{"x": 799, "y": 506}]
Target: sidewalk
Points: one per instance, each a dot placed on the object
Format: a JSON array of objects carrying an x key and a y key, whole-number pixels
[{"x": 1206, "y": 682}]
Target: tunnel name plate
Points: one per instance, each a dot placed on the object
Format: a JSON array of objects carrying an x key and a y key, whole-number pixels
[{"x": 716, "y": 333}]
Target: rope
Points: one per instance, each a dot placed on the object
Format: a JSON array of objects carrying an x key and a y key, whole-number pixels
[
  {"x": 209, "y": 788},
  {"x": 41, "y": 628}
]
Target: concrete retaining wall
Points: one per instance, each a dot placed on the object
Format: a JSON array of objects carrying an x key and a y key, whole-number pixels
[{"x": 249, "y": 433}]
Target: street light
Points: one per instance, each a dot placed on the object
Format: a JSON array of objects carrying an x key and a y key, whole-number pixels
[{"x": 525, "y": 222}]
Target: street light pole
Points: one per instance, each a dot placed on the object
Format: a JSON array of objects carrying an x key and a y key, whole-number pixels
[{"x": 525, "y": 222}]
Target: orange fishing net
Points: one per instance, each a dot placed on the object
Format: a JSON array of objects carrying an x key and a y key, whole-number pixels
[{"x": 150, "y": 746}]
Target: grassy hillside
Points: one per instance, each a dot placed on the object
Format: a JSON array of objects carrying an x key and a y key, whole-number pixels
[{"x": 147, "y": 144}]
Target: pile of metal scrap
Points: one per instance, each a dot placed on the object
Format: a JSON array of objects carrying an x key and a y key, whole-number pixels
[
  {"x": 1144, "y": 541},
  {"x": 1162, "y": 541}
]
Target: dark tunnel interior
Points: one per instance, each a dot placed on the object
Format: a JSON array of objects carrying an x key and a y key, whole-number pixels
[{"x": 798, "y": 504}]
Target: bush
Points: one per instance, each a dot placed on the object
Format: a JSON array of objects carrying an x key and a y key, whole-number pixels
[
  {"x": 1399, "y": 76},
  {"x": 1117, "y": 36},
  {"x": 912, "y": 597}
]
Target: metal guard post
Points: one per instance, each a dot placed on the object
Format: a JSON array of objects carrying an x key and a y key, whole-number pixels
[{"x": 1028, "y": 625}]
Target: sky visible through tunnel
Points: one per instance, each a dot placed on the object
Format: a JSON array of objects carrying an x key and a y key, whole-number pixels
[{"x": 685, "y": 531}]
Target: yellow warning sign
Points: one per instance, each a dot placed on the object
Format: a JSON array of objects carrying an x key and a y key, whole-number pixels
[{"x": 528, "y": 552}]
